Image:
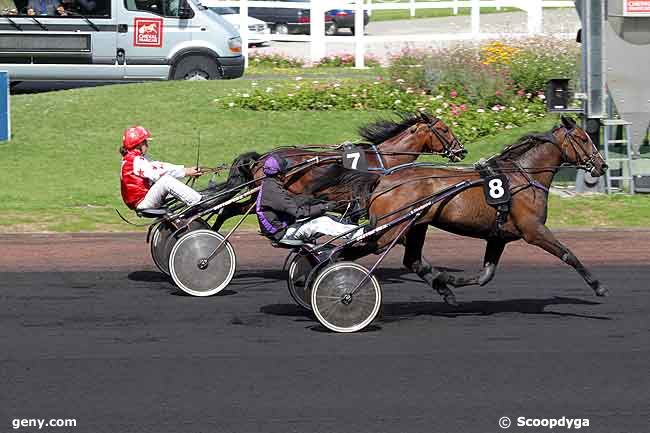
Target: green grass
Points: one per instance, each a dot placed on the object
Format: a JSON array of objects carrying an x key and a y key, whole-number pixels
[
  {"x": 390, "y": 15},
  {"x": 61, "y": 170}
]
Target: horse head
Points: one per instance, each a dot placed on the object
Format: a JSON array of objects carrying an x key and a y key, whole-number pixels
[
  {"x": 439, "y": 137},
  {"x": 577, "y": 148}
]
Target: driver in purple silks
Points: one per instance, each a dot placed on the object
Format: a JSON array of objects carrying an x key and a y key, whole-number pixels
[{"x": 293, "y": 219}]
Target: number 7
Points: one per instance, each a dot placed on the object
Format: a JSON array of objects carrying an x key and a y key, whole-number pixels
[{"x": 355, "y": 157}]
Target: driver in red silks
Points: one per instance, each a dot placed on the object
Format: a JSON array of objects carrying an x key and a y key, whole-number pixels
[{"x": 146, "y": 183}]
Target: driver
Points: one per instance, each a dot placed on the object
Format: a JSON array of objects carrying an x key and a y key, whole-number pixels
[
  {"x": 292, "y": 219},
  {"x": 146, "y": 183}
]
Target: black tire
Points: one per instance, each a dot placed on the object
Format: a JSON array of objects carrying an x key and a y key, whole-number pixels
[
  {"x": 300, "y": 266},
  {"x": 352, "y": 30},
  {"x": 332, "y": 30},
  {"x": 13, "y": 84},
  {"x": 196, "y": 67},
  {"x": 281, "y": 29}
]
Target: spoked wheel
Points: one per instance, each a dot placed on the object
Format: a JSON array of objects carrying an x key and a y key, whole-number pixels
[
  {"x": 334, "y": 304},
  {"x": 190, "y": 268},
  {"x": 162, "y": 242},
  {"x": 300, "y": 266}
]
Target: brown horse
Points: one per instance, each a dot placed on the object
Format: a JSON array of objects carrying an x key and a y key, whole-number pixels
[
  {"x": 391, "y": 144},
  {"x": 529, "y": 166}
]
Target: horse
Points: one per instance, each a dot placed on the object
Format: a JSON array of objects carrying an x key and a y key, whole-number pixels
[
  {"x": 391, "y": 144},
  {"x": 529, "y": 166}
]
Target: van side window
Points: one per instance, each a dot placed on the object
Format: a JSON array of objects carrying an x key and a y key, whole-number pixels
[
  {"x": 165, "y": 8},
  {"x": 56, "y": 8}
]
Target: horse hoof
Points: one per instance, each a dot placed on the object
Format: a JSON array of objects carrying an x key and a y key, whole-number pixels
[
  {"x": 602, "y": 291},
  {"x": 450, "y": 300}
]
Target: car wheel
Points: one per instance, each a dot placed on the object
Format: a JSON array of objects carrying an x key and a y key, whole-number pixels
[
  {"x": 352, "y": 30},
  {"x": 196, "y": 68},
  {"x": 282, "y": 29},
  {"x": 332, "y": 30}
]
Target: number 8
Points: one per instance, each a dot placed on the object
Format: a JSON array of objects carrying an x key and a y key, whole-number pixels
[{"x": 496, "y": 188}]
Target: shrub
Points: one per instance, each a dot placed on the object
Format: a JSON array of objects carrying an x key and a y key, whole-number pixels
[{"x": 346, "y": 60}]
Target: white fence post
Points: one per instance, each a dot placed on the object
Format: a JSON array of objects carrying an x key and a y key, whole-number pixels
[
  {"x": 317, "y": 30},
  {"x": 412, "y": 8},
  {"x": 498, "y": 4},
  {"x": 359, "y": 36},
  {"x": 369, "y": 8},
  {"x": 535, "y": 16},
  {"x": 476, "y": 17},
  {"x": 455, "y": 7},
  {"x": 243, "y": 29}
]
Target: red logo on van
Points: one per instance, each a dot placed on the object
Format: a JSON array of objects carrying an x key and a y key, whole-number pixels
[
  {"x": 148, "y": 32},
  {"x": 638, "y": 6}
]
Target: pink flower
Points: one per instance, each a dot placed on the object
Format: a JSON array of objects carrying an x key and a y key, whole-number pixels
[
  {"x": 521, "y": 93},
  {"x": 453, "y": 93},
  {"x": 463, "y": 107},
  {"x": 498, "y": 93}
]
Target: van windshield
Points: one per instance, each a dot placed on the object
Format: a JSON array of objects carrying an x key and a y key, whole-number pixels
[
  {"x": 56, "y": 8},
  {"x": 224, "y": 11}
]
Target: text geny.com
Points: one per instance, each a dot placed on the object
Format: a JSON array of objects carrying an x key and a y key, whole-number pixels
[{"x": 40, "y": 423}]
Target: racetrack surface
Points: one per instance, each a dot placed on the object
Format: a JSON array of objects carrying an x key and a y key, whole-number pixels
[{"x": 89, "y": 330}]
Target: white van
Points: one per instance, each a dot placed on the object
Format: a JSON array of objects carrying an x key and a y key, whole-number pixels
[{"x": 117, "y": 40}]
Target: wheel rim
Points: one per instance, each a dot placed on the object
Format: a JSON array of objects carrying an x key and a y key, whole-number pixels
[
  {"x": 338, "y": 313},
  {"x": 299, "y": 270},
  {"x": 162, "y": 242},
  {"x": 197, "y": 75},
  {"x": 281, "y": 29},
  {"x": 189, "y": 251},
  {"x": 331, "y": 30}
]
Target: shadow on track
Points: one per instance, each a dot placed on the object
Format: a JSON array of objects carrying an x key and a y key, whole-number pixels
[{"x": 396, "y": 311}]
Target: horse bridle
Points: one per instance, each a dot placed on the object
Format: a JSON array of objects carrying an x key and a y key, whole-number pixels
[
  {"x": 588, "y": 162},
  {"x": 447, "y": 145}
]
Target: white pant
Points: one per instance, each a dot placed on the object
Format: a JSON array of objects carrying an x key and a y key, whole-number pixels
[
  {"x": 322, "y": 225},
  {"x": 168, "y": 185}
]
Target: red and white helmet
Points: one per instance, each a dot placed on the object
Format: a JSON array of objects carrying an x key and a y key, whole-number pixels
[{"x": 134, "y": 136}]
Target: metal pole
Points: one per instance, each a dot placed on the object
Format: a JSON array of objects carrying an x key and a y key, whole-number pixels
[
  {"x": 359, "y": 36},
  {"x": 535, "y": 16},
  {"x": 243, "y": 29},
  {"x": 317, "y": 30},
  {"x": 412, "y": 8},
  {"x": 476, "y": 17},
  {"x": 5, "y": 111},
  {"x": 455, "y": 7}
]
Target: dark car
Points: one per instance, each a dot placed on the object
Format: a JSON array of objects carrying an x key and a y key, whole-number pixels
[
  {"x": 343, "y": 19},
  {"x": 297, "y": 21}
]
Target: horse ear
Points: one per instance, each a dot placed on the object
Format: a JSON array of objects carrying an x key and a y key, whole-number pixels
[
  {"x": 568, "y": 122},
  {"x": 425, "y": 116}
]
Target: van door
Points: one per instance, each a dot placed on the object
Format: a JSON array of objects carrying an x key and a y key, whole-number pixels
[{"x": 148, "y": 31}]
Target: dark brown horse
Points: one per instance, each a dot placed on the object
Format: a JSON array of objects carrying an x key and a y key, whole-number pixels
[
  {"x": 529, "y": 165},
  {"x": 390, "y": 144}
]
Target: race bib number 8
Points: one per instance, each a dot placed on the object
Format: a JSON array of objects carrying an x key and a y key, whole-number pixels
[
  {"x": 497, "y": 190},
  {"x": 354, "y": 158}
]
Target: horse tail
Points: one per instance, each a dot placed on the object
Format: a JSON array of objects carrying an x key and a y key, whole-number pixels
[{"x": 241, "y": 171}]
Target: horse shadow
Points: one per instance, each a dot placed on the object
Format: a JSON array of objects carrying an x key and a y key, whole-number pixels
[{"x": 398, "y": 311}]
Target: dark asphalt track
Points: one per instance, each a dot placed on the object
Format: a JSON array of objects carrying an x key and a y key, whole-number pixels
[{"x": 124, "y": 352}]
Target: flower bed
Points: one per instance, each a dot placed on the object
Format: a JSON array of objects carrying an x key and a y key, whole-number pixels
[{"x": 468, "y": 119}]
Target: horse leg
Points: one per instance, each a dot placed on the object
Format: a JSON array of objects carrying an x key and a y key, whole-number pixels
[
  {"x": 414, "y": 262},
  {"x": 542, "y": 237},
  {"x": 493, "y": 252},
  {"x": 229, "y": 212}
]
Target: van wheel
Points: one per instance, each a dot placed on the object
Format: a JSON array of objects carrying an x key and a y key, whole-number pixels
[
  {"x": 332, "y": 30},
  {"x": 196, "y": 68},
  {"x": 13, "y": 84},
  {"x": 282, "y": 29}
]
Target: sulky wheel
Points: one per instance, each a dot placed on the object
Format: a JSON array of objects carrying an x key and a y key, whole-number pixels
[
  {"x": 334, "y": 304},
  {"x": 193, "y": 271},
  {"x": 162, "y": 241},
  {"x": 300, "y": 267}
]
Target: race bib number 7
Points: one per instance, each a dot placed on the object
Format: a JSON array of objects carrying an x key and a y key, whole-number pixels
[
  {"x": 354, "y": 158},
  {"x": 497, "y": 190}
]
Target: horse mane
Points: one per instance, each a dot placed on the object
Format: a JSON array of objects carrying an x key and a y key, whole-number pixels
[
  {"x": 339, "y": 180},
  {"x": 525, "y": 143},
  {"x": 384, "y": 129}
]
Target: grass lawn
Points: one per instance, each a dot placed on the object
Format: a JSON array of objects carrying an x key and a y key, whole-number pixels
[
  {"x": 61, "y": 170},
  {"x": 405, "y": 14}
]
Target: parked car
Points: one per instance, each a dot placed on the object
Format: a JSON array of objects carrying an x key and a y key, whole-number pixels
[
  {"x": 258, "y": 31},
  {"x": 343, "y": 19},
  {"x": 285, "y": 21}
]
